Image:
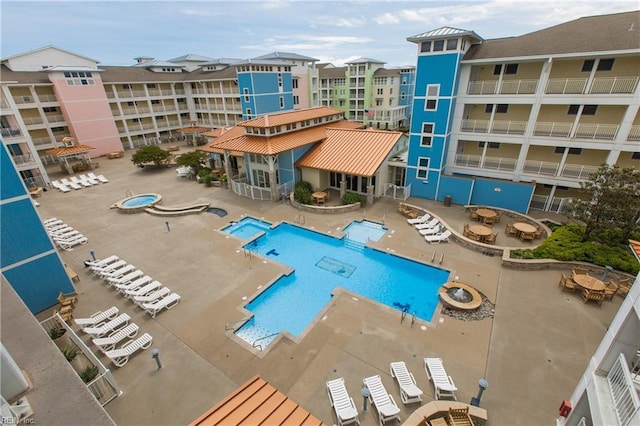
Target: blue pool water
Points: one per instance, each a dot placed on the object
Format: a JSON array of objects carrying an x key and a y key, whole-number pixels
[
  {"x": 321, "y": 263},
  {"x": 139, "y": 200},
  {"x": 247, "y": 228},
  {"x": 364, "y": 231}
]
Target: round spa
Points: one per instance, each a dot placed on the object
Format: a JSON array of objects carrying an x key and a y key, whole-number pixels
[{"x": 137, "y": 203}]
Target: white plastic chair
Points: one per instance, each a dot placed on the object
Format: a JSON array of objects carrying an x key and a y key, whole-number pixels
[{"x": 342, "y": 403}]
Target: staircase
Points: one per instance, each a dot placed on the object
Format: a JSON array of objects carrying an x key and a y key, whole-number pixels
[{"x": 354, "y": 245}]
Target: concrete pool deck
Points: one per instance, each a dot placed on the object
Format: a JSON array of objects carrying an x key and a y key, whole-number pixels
[{"x": 532, "y": 352}]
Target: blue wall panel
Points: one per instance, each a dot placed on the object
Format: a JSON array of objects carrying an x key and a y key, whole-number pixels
[
  {"x": 424, "y": 188},
  {"x": 39, "y": 282},
  {"x": 12, "y": 185},
  {"x": 505, "y": 194},
  {"x": 22, "y": 234},
  {"x": 457, "y": 187},
  {"x": 285, "y": 167},
  {"x": 439, "y": 69}
]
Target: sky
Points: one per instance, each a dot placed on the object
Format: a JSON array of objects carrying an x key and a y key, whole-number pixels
[{"x": 114, "y": 32}]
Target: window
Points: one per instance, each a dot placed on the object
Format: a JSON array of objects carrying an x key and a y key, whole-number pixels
[
  {"x": 294, "y": 83},
  {"x": 492, "y": 145},
  {"x": 378, "y": 102},
  {"x": 427, "y": 134},
  {"x": 57, "y": 129},
  {"x": 380, "y": 91},
  {"x": 296, "y": 100},
  {"x": 151, "y": 85},
  {"x": 126, "y": 86},
  {"x": 589, "y": 109},
  {"x": 500, "y": 108},
  {"x": 573, "y": 109},
  {"x": 452, "y": 44},
  {"x": 508, "y": 69},
  {"x": 248, "y": 112},
  {"x": 425, "y": 46},
  {"x": 50, "y": 109},
  {"x": 281, "y": 102},
  {"x": 605, "y": 65},
  {"x": 635, "y": 155},
  {"x": 587, "y": 65},
  {"x": 572, "y": 151},
  {"x": 438, "y": 45},
  {"x": 422, "y": 171},
  {"x": 431, "y": 103},
  {"x": 246, "y": 95},
  {"x": 279, "y": 79},
  {"x": 402, "y": 95}
]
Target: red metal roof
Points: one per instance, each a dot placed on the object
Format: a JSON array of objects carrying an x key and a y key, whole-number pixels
[
  {"x": 279, "y": 119},
  {"x": 193, "y": 129},
  {"x": 65, "y": 151},
  {"x": 635, "y": 248},
  {"x": 256, "y": 403},
  {"x": 354, "y": 152}
]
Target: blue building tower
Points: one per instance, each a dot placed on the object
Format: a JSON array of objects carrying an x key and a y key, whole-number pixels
[
  {"x": 266, "y": 86},
  {"x": 440, "y": 53},
  {"x": 407, "y": 86},
  {"x": 28, "y": 259}
]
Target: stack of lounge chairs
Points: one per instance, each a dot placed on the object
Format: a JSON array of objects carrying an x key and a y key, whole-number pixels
[
  {"x": 63, "y": 235},
  {"x": 135, "y": 285},
  {"x": 109, "y": 330},
  {"x": 430, "y": 227},
  {"x": 78, "y": 182}
]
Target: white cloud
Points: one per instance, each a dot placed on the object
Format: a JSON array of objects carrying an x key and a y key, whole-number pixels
[
  {"x": 386, "y": 18},
  {"x": 200, "y": 12},
  {"x": 273, "y": 4},
  {"x": 332, "y": 21}
]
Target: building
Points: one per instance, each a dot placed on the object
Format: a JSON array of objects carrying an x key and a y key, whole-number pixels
[
  {"x": 519, "y": 122},
  {"x": 607, "y": 392}
]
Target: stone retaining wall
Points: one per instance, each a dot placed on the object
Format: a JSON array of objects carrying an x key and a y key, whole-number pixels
[{"x": 324, "y": 209}]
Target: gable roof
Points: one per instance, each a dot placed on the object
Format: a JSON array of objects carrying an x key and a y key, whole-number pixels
[
  {"x": 50, "y": 46},
  {"x": 615, "y": 32},
  {"x": 354, "y": 152},
  {"x": 635, "y": 248},
  {"x": 365, "y": 61},
  {"x": 256, "y": 402},
  {"x": 443, "y": 32},
  {"x": 286, "y": 55},
  {"x": 191, "y": 57},
  {"x": 279, "y": 119}
]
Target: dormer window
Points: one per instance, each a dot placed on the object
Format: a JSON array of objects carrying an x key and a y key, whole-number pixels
[{"x": 438, "y": 45}]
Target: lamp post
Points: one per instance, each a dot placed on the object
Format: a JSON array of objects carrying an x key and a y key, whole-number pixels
[
  {"x": 155, "y": 354},
  {"x": 483, "y": 384},
  {"x": 365, "y": 396},
  {"x": 607, "y": 269},
  {"x": 92, "y": 252}
]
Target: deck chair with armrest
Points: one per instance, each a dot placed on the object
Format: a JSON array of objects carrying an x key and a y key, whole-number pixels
[
  {"x": 108, "y": 343},
  {"x": 510, "y": 230},
  {"x": 580, "y": 271},
  {"x": 166, "y": 302},
  {"x": 594, "y": 295},
  {"x": 151, "y": 297},
  {"x": 144, "y": 285},
  {"x": 442, "y": 382},
  {"x": 567, "y": 284},
  {"x": 68, "y": 299},
  {"x": 98, "y": 317},
  {"x": 108, "y": 327},
  {"x": 491, "y": 238},
  {"x": 409, "y": 391},
  {"x": 342, "y": 403},
  {"x": 121, "y": 356},
  {"x": 610, "y": 290},
  {"x": 624, "y": 286},
  {"x": 381, "y": 400},
  {"x": 426, "y": 225},
  {"x": 438, "y": 238},
  {"x": 459, "y": 417},
  {"x": 420, "y": 219}
]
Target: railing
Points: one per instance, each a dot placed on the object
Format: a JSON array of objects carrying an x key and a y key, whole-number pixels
[
  {"x": 488, "y": 87},
  {"x": 11, "y": 133},
  {"x": 47, "y": 98},
  {"x": 104, "y": 387},
  {"x": 507, "y": 87},
  {"x": 562, "y": 130},
  {"x": 614, "y": 85},
  {"x": 58, "y": 118},
  {"x": 597, "y": 131},
  {"x": 231, "y": 325},
  {"x": 509, "y": 127},
  {"x": 623, "y": 392},
  {"x": 255, "y": 343},
  {"x": 22, "y": 159},
  {"x": 558, "y": 205},
  {"x": 45, "y": 140},
  {"x": 634, "y": 133},
  {"x": 564, "y": 86},
  {"x": 543, "y": 168},
  {"x": 475, "y": 126},
  {"x": 397, "y": 192},
  {"x": 577, "y": 171},
  {"x": 243, "y": 188},
  {"x": 492, "y": 163},
  {"x": 29, "y": 121},
  {"x": 23, "y": 99}
]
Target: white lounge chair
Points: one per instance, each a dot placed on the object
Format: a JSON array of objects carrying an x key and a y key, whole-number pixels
[
  {"x": 101, "y": 262},
  {"x": 342, "y": 403},
  {"x": 151, "y": 297},
  {"x": 110, "y": 326},
  {"x": 420, "y": 219},
  {"x": 68, "y": 244},
  {"x": 442, "y": 382},
  {"x": 144, "y": 285},
  {"x": 409, "y": 391},
  {"x": 98, "y": 317},
  {"x": 125, "y": 280},
  {"x": 433, "y": 222},
  {"x": 121, "y": 356},
  {"x": 108, "y": 343},
  {"x": 111, "y": 266},
  {"x": 103, "y": 179},
  {"x": 431, "y": 231},
  {"x": 60, "y": 186},
  {"x": 438, "y": 238},
  {"x": 51, "y": 220},
  {"x": 117, "y": 273},
  {"x": 167, "y": 302},
  {"x": 92, "y": 175},
  {"x": 382, "y": 401}
]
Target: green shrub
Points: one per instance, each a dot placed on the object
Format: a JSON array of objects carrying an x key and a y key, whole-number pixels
[
  {"x": 302, "y": 192},
  {"x": 208, "y": 179},
  {"x": 352, "y": 198},
  {"x": 203, "y": 173},
  {"x": 565, "y": 244},
  {"x": 304, "y": 185},
  {"x": 69, "y": 352},
  {"x": 56, "y": 331},
  {"x": 88, "y": 373}
]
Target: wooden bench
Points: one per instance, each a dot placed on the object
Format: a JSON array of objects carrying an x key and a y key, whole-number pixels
[
  {"x": 71, "y": 273},
  {"x": 117, "y": 154}
]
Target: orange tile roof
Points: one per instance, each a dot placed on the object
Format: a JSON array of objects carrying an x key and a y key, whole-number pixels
[
  {"x": 64, "y": 151},
  {"x": 236, "y": 140},
  {"x": 635, "y": 248},
  {"x": 213, "y": 133},
  {"x": 279, "y": 119},
  {"x": 255, "y": 403},
  {"x": 354, "y": 152},
  {"x": 193, "y": 129}
]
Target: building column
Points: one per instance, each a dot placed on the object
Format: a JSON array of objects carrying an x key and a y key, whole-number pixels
[
  {"x": 370, "y": 194},
  {"x": 273, "y": 186},
  {"x": 343, "y": 188}
]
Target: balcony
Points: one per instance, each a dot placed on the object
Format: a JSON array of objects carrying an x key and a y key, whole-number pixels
[
  {"x": 11, "y": 133},
  {"x": 47, "y": 98},
  {"x": 31, "y": 121},
  {"x": 507, "y": 87},
  {"x": 502, "y": 164},
  {"x": 44, "y": 140},
  {"x": 498, "y": 127},
  {"x": 23, "y": 159},
  {"x": 599, "y": 86},
  {"x": 548, "y": 168},
  {"x": 593, "y": 131},
  {"x": 59, "y": 118},
  {"x": 623, "y": 391},
  {"x": 23, "y": 99},
  {"x": 634, "y": 133}
]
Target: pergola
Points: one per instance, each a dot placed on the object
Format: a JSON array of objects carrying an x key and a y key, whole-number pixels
[
  {"x": 193, "y": 134},
  {"x": 71, "y": 157}
]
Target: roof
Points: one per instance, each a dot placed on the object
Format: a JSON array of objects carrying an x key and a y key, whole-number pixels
[
  {"x": 263, "y": 61},
  {"x": 71, "y": 68},
  {"x": 286, "y": 55},
  {"x": 221, "y": 61},
  {"x": 365, "y": 61},
  {"x": 256, "y": 402},
  {"x": 157, "y": 63},
  {"x": 191, "y": 57},
  {"x": 279, "y": 119},
  {"x": 579, "y": 36},
  {"x": 354, "y": 152},
  {"x": 236, "y": 140},
  {"x": 332, "y": 72},
  {"x": 443, "y": 32},
  {"x": 635, "y": 248},
  {"x": 50, "y": 46},
  {"x": 65, "y": 151},
  {"x": 193, "y": 129}
]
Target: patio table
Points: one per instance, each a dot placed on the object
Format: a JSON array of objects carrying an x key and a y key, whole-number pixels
[
  {"x": 319, "y": 197},
  {"x": 480, "y": 231},
  {"x": 588, "y": 282}
]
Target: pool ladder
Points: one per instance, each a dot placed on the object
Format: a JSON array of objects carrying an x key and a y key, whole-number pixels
[
  {"x": 231, "y": 325},
  {"x": 300, "y": 219},
  {"x": 255, "y": 343},
  {"x": 129, "y": 193},
  {"x": 247, "y": 253}
]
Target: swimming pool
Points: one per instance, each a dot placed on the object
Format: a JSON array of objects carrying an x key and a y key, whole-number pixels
[
  {"x": 246, "y": 228},
  {"x": 321, "y": 263},
  {"x": 364, "y": 231},
  {"x": 137, "y": 203}
]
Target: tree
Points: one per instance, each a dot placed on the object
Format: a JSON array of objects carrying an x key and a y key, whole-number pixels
[
  {"x": 610, "y": 206},
  {"x": 193, "y": 159},
  {"x": 150, "y": 154}
]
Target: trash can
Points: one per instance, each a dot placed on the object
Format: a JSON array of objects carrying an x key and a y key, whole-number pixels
[{"x": 447, "y": 200}]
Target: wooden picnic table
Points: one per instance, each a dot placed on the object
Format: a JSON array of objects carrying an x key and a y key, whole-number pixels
[
  {"x": 481, "y": 231},
  {"x": 486, "y": 213},
  {"x": 319, "y": 197},
  {"x": 588, "y": 282},
  {"x": 525, "y": 227}
]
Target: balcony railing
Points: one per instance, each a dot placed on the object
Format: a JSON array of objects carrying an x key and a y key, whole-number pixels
[
  {"x": 44, "y": 140},
  {"x": 34, "y": 181},
  {"x": 507, "y": 87},
  {"x": 498, "y": 126},
  {"x": 548, "y": 168},
  {"x": 623, "y": 392},
  {"x": 22, "y": 159},
  {"x": 542, "y": 168},
  {"x": 47, "y": 98},
  {"x": 23, "y": 99},
  {"x": 503, "y": 164},
  {"x": 59, "y": 118},
  {"x": 558, "y": 130},
  {"x": 578, "y": 171},
  {"x": 30, "y": 121},
  {"x": 634, "y": 133},
  {"x": 599, "y": 86},
  {"x": 597, "y": 131},
  {"x": 11, "y": 133}
]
